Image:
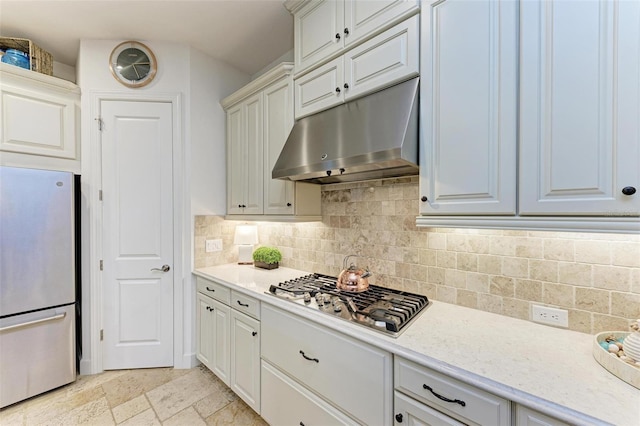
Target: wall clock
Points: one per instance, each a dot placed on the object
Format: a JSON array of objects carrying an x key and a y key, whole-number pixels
[{"x": 133, "y": 64}]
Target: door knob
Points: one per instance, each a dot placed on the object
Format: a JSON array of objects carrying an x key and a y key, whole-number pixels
[{"x": 165, "y": 268}]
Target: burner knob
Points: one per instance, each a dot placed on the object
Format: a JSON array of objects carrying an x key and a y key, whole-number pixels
[
  {"x": 337, "y": 308},
  {"x": 307, "y": 297},
  {"x": 319, "y": 299},
  {"x": 326, "y": 298}
]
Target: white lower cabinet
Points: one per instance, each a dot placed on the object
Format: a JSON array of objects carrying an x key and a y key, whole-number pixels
[
  {"x": 228, "y": 330},
  {"x": 301, "y": 406},
  {"x": 213, "y": 336},
  {"x": 528, "y": 417},
  {"x": 245, "y": 358},
  {"x": 433, "y": 391},
  {"x": 350, "y": 375}
]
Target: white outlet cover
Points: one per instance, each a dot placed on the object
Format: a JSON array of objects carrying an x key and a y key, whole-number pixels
[
  {"x": 213, "y": 245},
  {"x": 550, "y": 316}
]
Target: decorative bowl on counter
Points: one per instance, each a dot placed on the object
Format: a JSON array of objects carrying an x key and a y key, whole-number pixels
[{"x": 625, "y": 371}]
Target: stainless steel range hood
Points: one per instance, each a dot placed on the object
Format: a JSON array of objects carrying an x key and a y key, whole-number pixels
[{"x": 369, "y": 138}]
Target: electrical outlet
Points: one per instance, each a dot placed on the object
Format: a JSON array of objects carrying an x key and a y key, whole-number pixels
[
  {"x": 213, "y": 245},
  {"x": 550, "y": 316}
]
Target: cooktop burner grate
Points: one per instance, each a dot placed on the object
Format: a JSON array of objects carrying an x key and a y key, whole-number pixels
[{"x": 383, "y": 309}]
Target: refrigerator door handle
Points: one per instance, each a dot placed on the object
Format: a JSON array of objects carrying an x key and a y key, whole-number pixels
[
  {"x": 28, "y": 323},
  {"x": 165, "y": 268}
]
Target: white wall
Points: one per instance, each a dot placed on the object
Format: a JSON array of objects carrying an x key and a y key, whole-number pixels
[{"x": 199, "y": 82}]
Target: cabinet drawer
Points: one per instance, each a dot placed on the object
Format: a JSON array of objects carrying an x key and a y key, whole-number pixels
[
  {"x": 475, "y": 405},
  {"x": 246, "y": 304},
  {"x": 411, "y": 412},
  {"x": 349, "y": 374},
  {"x": 215, "y": 290},
  {"x": 285, "y": 402}
]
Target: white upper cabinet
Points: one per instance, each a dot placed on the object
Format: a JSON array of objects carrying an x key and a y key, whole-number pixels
[
  {"x": 468, "y": 107},
  {"x": 244, "y": 157},
  {"x": 278, "y": 121},
  {"x": 580, "y": 108},
  {"x": 324, "y": 28},
  {"x": 40, "y": 120},
  {"x": 259, "y": 120},
  {"x": 570, "y": 159},
  {"x": 386, "y": 59}
]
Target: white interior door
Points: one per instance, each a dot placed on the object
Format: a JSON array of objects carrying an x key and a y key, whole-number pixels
[{"x": 137, "y": 234}]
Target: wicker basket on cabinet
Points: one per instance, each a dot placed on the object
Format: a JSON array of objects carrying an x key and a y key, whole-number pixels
[{"x": 40, "y": 60}]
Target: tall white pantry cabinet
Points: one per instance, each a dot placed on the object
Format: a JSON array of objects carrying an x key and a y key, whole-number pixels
[{"x": 531, "y": 115}]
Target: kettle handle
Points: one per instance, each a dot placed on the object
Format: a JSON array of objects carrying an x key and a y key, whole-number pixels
[{"x": 345, "y": 262}]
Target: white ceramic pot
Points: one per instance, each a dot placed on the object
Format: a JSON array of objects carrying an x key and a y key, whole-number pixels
[{"x": 631, "y": 345}]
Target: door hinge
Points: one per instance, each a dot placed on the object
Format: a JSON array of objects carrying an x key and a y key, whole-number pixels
[
  {"x": 99, "y": 120},
  {"x": 101, "y": 335},
  {"x": 100, "y": 194},
  {"x": 101, "y": 265}
]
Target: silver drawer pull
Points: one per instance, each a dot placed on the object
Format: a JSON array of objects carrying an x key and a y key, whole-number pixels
[
  {"x": 38, "y": 321},
  {"x": 165, "y": 268},
  {"x": 455, "y": 401}
]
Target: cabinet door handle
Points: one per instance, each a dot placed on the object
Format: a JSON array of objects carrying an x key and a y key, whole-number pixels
[
  {"x": 309, "y": 358},
  {"x": 337, "y": 36},
  {"x": 337, "y": 90},
  {"x": 346, "y": 31},
  {"x": 210, "y": 289},
  {"x": 424, "y": 199},
  {"x": 288, "y": 204},
  {"x": 254, "y": 333},
  {"x": 246, "y": 305},
  {"x": 209, "y": 308},
  {"x": 346, "y": 86},
  {"x": 399, "y": 417},
  {"x": 454, "y": 401},
  {"x": 628, "y": 190}
]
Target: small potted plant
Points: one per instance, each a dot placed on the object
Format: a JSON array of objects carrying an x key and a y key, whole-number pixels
[{"x": 267, "y": 257}]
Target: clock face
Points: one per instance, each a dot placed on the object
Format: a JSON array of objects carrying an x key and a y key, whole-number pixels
[{"x": 133, "y": 64}]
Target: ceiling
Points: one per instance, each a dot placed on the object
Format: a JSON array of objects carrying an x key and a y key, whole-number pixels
[{"x": 246, "y": 34}]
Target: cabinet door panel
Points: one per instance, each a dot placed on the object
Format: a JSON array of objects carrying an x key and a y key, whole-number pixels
[
  {"x": 236, "y": 160},
  {"x": 316, "y": 91},
  {"x": 245, "y": 358},
  {"x": 221, "y": 363},
  {"x": 278, "y": 121},
  {"x": 388, "y": 58},
  {"x": 53, "y": 136},
  {"x": 213, "y": 325},
  {"x": 254, "y": 157},
  {"x": 468, "y": 107},
  {"x": 315, "y": 28},
  {"x": 579, "y": 90},
  {"x": 362, "y": 18}
]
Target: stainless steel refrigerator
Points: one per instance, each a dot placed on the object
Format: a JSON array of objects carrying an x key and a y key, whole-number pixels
[{"x": 37, "y": 282}]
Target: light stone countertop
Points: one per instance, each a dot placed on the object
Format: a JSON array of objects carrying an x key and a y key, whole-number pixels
[{"x": 547, "y": 369}]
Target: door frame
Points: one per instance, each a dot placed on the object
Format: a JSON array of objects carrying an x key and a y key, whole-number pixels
[{"x": 92, "y": 315}]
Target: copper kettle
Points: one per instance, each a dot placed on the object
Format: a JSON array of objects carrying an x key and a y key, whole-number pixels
[{"x": 353, "y": 278}]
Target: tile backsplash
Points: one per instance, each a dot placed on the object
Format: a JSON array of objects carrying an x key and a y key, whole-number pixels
[{"x": 596, "y": 277}]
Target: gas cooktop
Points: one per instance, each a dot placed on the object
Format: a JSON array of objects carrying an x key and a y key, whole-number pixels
[{"x": 383, "y": 309}]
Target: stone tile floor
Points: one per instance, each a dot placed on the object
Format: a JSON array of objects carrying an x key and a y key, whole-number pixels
[{"x": 155, "y": 396}]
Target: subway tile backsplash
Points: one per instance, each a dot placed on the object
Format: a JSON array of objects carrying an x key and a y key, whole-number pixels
[{"x": 594, "y": 276}]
